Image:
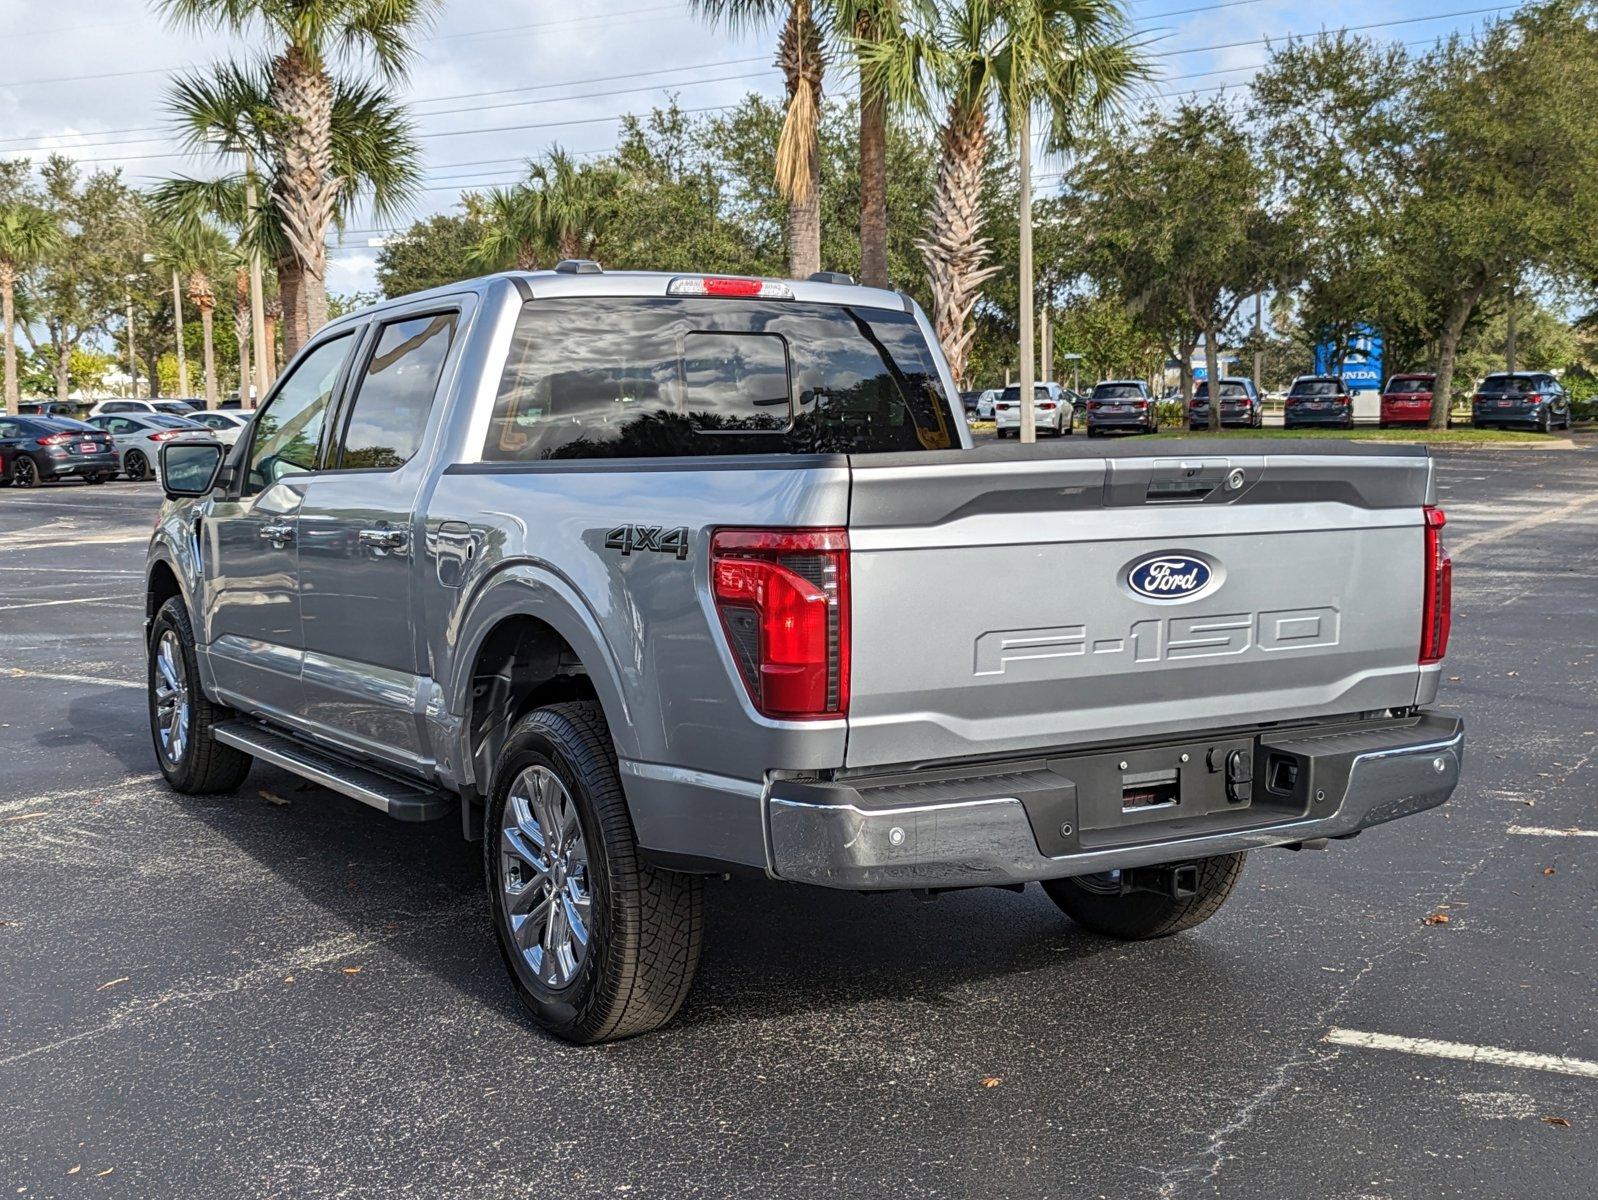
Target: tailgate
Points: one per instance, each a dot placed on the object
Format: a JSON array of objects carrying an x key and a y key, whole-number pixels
[{"x": 1011, "y": 600}]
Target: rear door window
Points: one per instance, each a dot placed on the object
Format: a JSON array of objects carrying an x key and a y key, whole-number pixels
[
  {"x": 628, "y": 378},
  {"x": 396, "y": 393}
]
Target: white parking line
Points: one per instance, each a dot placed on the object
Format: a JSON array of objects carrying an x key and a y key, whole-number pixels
[
  {"x": 1543, "y": 831},
  {"x": 96, "y": 680},
  {"x": 1548, "y": 516},
  {"x": 50, "y": 603},
  {"x": 1464, "y": 1052}
]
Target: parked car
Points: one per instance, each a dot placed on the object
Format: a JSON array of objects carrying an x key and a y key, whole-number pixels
[
  {"x": 35, "y": 450},
  {"x": 225, "y": 424},
  {"x": 1051, "y": 414},
  {"x": 172, "y": 407},
  {"x": 1120, "y": 404},
  {"x": 1241, "y": 407},
  {"x": 1407, "y": 400},
  {"x": 1318, "y": 400},
  {"x": 985, "y": 403},
  {"x": 49, "y": 408},
  {"x": 138, "y": 437},
  {"x": 579, "y": 603},
  {"x": 1533, "y": 398}
]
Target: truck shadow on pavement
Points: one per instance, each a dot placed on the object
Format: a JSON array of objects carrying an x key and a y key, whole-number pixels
[{"x": 770, "y": 949}]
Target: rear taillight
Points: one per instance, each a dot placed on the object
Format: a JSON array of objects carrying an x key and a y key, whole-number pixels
[
  {"x": 166, "y": 435},
  {"x": 1093, "y": 406},
  {"x": 1437, "y": 602},
  {"x": 56, "y": 439},
  {"x": 783, "y": 598},
  {"x": 1047, "y": 406}
]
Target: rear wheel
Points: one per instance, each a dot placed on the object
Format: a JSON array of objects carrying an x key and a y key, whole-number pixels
[
  {"x": 600, "y": 945},
  {"x": 136, "y": 465},
  {"x": 182, "y": 720},
  {"x": 1097, "y": 903},
  {"x": 1545, "y": 422},
  {"x": 25, "y": 472},
  {"x": 97, "y": 478}
]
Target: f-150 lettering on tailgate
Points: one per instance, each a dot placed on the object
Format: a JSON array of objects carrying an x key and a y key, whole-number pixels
[{"x": 1059, "y": 648}]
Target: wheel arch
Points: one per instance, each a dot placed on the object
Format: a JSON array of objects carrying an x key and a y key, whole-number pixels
[{"x": 526, "y": 639}]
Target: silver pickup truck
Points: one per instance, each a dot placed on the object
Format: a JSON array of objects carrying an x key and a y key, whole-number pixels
[{"x": 655, "y": 577}]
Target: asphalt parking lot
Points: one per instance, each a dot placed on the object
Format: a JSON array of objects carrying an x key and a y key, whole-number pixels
[{"x": 283, "y": 994}]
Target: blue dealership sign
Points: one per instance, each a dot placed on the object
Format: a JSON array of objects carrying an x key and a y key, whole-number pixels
[{"x": 1362, "y": 368}]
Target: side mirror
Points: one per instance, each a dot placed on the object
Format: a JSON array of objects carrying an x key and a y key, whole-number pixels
[{"x": 189, "y": 468}]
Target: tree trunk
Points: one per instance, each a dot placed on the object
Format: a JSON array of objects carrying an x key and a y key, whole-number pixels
[
  {"x": 288, "y": 286},
  {"x": 63, "y": 371},
  {"x": 799, "y": 145},
  {"x": 209, "y": 355},
  {"x": 1447, "y": 350},
  {"x": 305, "y": 190},
  {"x": 273, "y": 311},
  {"x": 241, "y": 330},
  {"x": 954, "y": 249},
  {"x": 152, "y": 372},
  {"x": 1184, "y": 369},
  {"x": 873, "y": 181},
  {"x": 8, "y": 315},
  {"x": 1212, "y": 377}
]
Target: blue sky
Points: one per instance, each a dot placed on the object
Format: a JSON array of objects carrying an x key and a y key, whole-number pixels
[{"x": 86, "y": 78}]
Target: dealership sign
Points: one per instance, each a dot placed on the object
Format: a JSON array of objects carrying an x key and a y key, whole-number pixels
[{"x": 1362, "y": 367}]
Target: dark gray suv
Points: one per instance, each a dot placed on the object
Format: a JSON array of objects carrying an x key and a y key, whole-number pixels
[{"x": 1531, "y": 398}]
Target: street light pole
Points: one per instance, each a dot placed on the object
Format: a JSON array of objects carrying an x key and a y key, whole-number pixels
[
  {"x": 1029, "y": 428},
  {"x": 133, "y": 362}
]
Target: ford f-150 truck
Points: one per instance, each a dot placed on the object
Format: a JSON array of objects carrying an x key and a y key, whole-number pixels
[{"x": 655, "y": 577}]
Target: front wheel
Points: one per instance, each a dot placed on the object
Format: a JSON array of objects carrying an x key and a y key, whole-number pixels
[
  {"x": 136, "y": 465},
  {"x": 181, "y": 718},
  {"x": 600, "y": 945},
  {"x": 1097, "y": 903}
]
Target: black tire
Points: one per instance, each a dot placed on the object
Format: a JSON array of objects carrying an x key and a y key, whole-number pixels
[
  {"x": 1139, "y": 916},
  {"x": 1545, "y": 422},
  {"x": 205, "y": 766},
  {"x": 136, "y": 466},
  {"x": 25, "y": 472},
  {"x": 96, "y": 478},
  {"x": 645, "y": 924}
]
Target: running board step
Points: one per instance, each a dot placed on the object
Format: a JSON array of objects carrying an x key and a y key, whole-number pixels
[{"x": 401, "y": 800}]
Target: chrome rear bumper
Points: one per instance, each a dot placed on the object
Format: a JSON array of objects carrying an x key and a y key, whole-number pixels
[{"x": 1014, "y": 823}]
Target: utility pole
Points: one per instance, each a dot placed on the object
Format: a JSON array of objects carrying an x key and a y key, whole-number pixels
[
  {"x": 1259, "y": 344},
  {"x": 1046, "y": 350},
  {"x": 133, "y": 363},
  {"x": 177, "y": 319},
  {"x": 265, "y": 360},
  {"x": 1029, "y": 427},
  {"x": 1509, "y": 340}
]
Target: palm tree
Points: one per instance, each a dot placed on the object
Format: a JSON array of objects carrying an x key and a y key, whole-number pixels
[
  {"x": 872, "y": 23},
  {"x": 576, "y": 201},
  {"x": 801, "y": 56},
  {"x": 976, "y": 59},
  {"x": 516, "y": 233},
  {"x": 200, "y": 251},
  {"x": 307, "y": 186},
  {"x": 28, "y": 235},
  {"x": 228, "y": 110},
  {"x": 241, "y": 326}
]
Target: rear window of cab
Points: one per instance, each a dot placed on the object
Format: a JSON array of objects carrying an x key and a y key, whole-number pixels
[{"x": 636, "y": 378}]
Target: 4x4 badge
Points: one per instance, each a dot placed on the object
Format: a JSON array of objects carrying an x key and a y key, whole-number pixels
[{"x": 628, "y": 538}]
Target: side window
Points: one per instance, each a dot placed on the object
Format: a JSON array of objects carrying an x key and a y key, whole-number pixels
[
  {"x": 396, "y": 392},
  {"x": 288, "y": 429},
  {"x": 121, "y": 425},
  {"x": 10, "y": 429}
]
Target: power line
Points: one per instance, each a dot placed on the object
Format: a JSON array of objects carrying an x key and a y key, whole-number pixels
[{"x": 1265, "y": 41}]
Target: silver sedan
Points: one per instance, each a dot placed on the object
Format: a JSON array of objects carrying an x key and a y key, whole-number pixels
[{"x": 137, "y": 438}]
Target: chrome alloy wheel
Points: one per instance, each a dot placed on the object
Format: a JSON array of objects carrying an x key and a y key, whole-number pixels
[
  {"x": 171, "y": 698},
  {"x": 544, "y": 877}
]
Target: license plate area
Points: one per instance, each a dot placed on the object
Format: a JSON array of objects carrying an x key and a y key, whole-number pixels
[{"x": 1183, "y": 789}]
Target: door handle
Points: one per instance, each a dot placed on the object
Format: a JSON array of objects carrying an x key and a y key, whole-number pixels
[
  {"x": 277, "y": 532},
  {"x": 383, "y": 540}
]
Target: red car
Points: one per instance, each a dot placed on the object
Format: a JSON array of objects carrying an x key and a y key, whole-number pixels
[{"x": 1407, "y": 400}]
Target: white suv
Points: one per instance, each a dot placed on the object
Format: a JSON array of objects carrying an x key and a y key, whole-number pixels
[
  {"x": 170, "y": 408},
  {"x": 1052, "y": 410}
]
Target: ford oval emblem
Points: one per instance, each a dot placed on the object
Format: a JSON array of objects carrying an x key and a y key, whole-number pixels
[{"x": 1169, "y": 576}]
